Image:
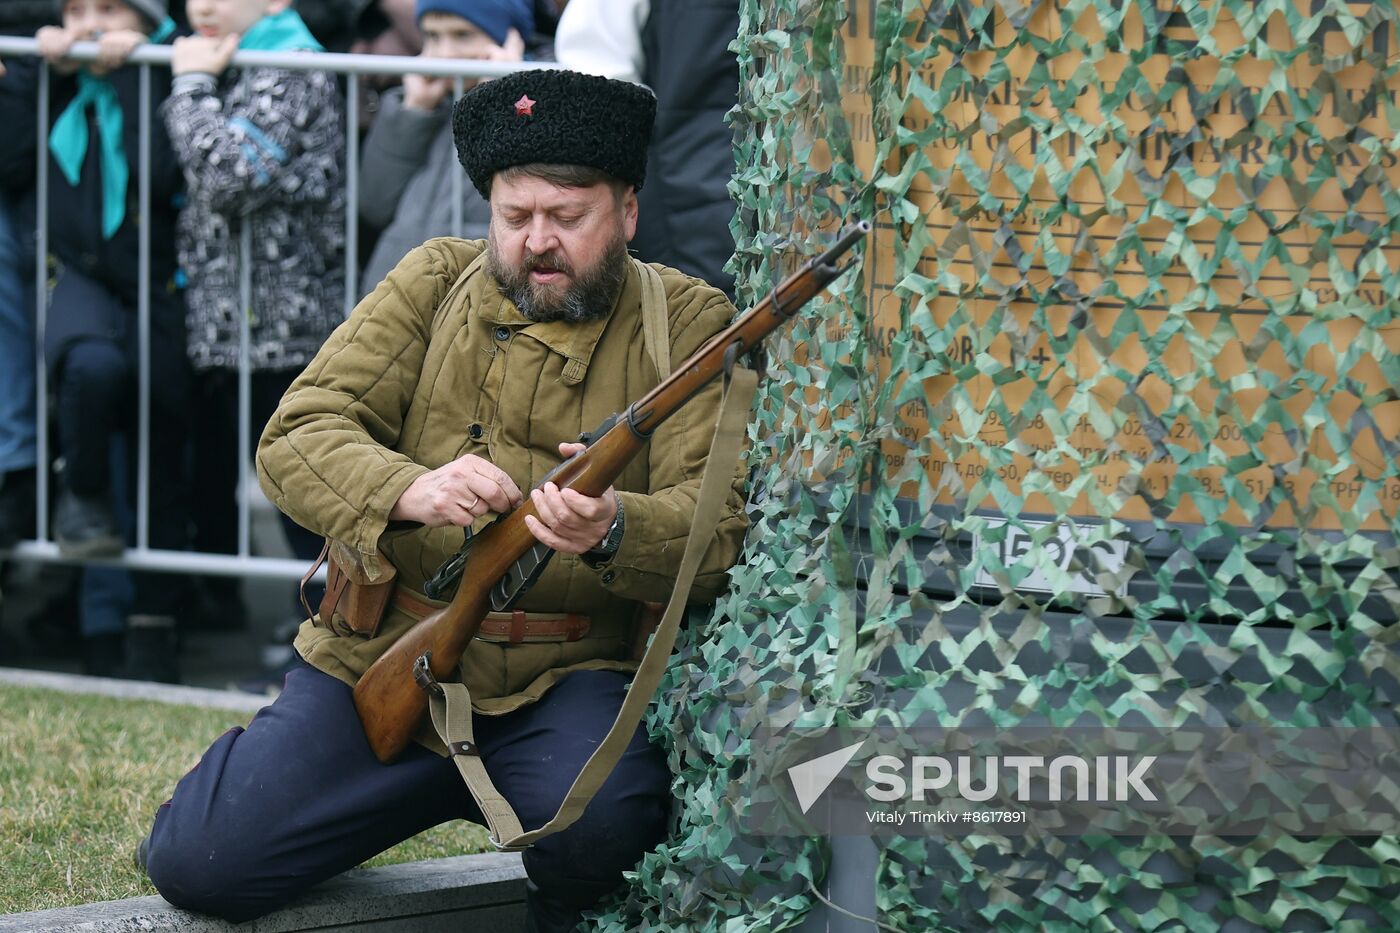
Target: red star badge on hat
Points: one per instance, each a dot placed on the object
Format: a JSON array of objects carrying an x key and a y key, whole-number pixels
[{"x": 525, "y": 107}]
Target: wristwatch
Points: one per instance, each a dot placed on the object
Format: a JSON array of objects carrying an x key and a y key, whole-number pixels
[{"x": 611, "y": 542}]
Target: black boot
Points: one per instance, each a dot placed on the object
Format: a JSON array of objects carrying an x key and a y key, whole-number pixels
[
  {"x": 213, "y": 604},
  {"x": 142, "y": 853},
  {"x": 151, "y": 649},
  {"x": 104, "y": 655},
  {"x": 46, "y": 605},
  {"x": 84, "y": 527},
  {"x": 17, "y": 497},
  {"x": 547, "y": 915}
]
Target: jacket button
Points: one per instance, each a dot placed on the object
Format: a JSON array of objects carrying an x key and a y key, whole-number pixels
[
  {"x": 609, "y": 576},
  {"x": 502, "y": 334},
  {"x": 475, "y": 432}
]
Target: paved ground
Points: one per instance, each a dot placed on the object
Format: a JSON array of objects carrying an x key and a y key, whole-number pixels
[
  {"x": 39, "y": 624},
  {"x": 38, "y": 630}
]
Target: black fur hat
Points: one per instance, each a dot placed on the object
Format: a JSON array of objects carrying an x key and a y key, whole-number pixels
[{"x": 557, "y": 117}]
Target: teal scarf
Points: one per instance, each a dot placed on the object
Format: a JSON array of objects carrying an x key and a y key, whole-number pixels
[
  {"x": 68, "y": 140},
  {"x": 281, "y": 32}
]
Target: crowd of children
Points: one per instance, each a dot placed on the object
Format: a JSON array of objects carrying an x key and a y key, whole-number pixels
[{"x": 240, "y": 159}]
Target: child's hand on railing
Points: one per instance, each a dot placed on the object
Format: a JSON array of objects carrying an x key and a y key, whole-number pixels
[
  {"x": 113, "y": 49},
  {"x": 54, "y": 44},
  {"x": 202, "y": 54}
]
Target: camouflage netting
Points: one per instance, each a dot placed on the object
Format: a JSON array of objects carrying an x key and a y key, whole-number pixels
[{"x": 1104, "y": 430}]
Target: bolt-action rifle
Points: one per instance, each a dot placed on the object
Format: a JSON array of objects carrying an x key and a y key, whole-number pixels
[{"x": 497, "y": 565}]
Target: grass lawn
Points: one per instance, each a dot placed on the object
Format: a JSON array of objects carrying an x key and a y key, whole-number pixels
[{"x": 80, "y": 779}]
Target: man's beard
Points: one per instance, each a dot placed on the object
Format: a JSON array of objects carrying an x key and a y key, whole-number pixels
[{"x": 588, "y": 297}]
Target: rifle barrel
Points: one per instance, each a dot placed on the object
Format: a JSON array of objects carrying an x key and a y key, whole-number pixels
[{"x": 747, "y": 331}]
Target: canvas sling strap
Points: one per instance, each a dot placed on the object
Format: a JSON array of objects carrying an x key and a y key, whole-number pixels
[
  {"x": 656, "y": 331},
  {"x": 450, "y": 703}
]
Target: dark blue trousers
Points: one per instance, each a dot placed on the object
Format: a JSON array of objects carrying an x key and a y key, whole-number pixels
[
  {"x": 91, "y": 346},
  {"x": 298, "y": 797}
]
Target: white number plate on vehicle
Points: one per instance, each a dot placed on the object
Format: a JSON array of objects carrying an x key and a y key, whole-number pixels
[{"x": 1069, "y": 540}]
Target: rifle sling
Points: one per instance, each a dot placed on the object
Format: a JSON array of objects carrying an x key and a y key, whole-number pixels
[
  {"x": 656, "y": 328},
  {"x": 451, "y": 707}
]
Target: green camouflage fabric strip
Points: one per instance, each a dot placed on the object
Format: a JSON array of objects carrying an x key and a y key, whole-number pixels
[{"x": 1103, "y": 431}]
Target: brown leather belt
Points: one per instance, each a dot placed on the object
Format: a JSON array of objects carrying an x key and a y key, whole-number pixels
[{"x": 511, "y": 627}]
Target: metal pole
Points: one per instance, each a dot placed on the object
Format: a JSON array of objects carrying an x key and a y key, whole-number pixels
[
  {"x": 339, "y": 63},
  {"x": 352, "y": 192},
  {"x": 272, "y": 568},
  {"x": 143, "y": 319},
  {"x": 41, "y": 312},
  {"x": 245, "y": 379},
  {"x": 457, "y": 88}
]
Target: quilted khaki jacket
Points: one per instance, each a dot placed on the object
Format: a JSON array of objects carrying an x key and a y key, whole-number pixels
[{"x": 428, "y": 369}]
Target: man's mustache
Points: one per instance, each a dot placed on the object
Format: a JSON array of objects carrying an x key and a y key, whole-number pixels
[{"x": 548, "y": 262}]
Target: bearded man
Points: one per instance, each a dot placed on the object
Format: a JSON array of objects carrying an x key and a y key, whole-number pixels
[{"x": 461, "y": 381}]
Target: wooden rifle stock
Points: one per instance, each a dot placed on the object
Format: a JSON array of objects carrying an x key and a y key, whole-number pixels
[{"x": 390, "y": 701}]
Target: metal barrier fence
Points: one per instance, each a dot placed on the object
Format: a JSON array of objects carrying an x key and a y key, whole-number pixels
[{"x": 142, "y": 556}]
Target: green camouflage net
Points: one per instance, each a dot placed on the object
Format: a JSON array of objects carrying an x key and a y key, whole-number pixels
[{"x": 1104, "y": 430}]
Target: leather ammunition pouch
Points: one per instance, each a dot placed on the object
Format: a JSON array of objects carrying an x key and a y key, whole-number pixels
[{"x": 353, "y": 597}]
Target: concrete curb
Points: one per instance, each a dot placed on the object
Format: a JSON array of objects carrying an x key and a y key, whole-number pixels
[
  {"x": 484, "y": 893},
  {"x": 134, "y": 690}
]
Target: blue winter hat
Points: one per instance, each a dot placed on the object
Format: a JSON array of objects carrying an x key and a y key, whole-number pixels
[
  {"x": 493, "y": 17},
  {"x": 157, "y": 11}
]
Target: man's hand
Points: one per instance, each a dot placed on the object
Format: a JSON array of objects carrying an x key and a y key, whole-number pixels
[
  {"x": 569, "y": 521},
  {"x": 457, "y": 493},
  {"x": 202, "y": 54},
  {"x": 54, "y": 43},
  {"x": 424, "y": 93},
  {"x": 113, "y": 49}
]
